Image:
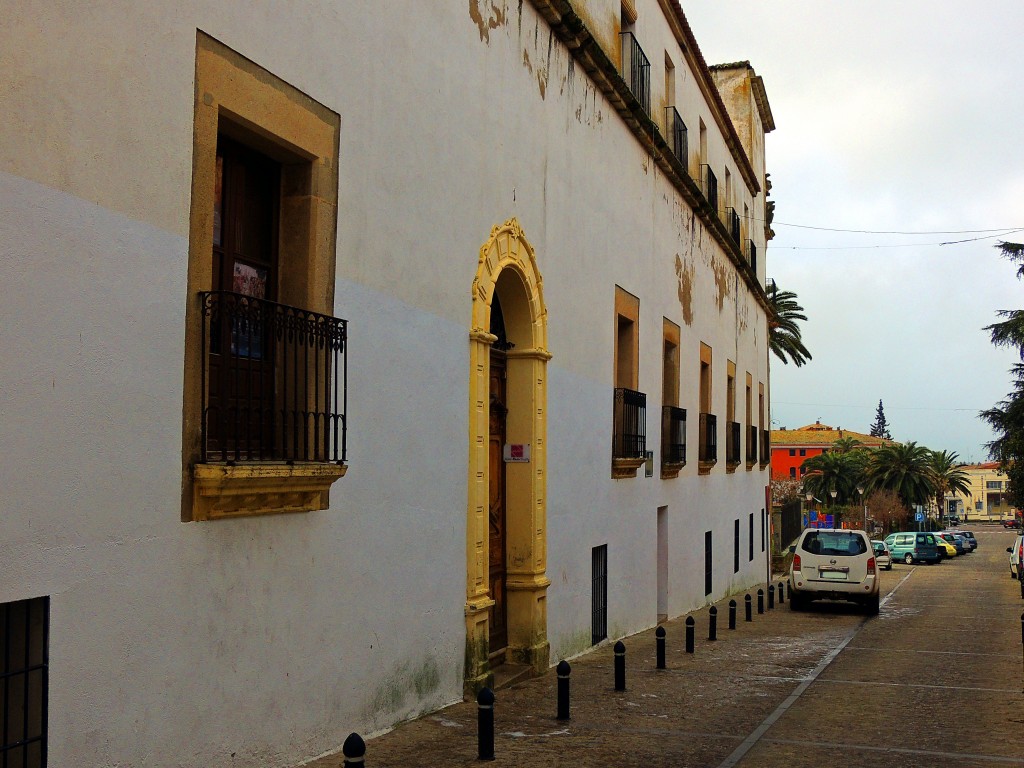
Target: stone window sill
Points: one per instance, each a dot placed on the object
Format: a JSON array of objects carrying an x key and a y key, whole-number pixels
[
  {"x": 245, "y": 490},
  {"x": 623, "y": 468}
]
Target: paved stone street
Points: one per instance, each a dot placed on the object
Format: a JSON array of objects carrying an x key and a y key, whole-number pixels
[{"x": 935, "y": 680}]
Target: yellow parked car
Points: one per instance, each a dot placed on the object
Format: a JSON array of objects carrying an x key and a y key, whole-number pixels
[{"x": 945, "y": 548}]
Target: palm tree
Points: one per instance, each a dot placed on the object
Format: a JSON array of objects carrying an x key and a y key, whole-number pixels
[
  {"x": 905, "y": 468},
  {"x": 833, "y": 471},
  {"x": 783, "y": 331},
  {"x": 948, "y": 477},
  {"x": 845, "y": 444}
]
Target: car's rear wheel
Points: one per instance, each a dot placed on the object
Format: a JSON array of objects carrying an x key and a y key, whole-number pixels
[
  {"x": 871, "y": 606},
  {"x": 908, "y": 559},
  {"x": 796, "y": 603}
]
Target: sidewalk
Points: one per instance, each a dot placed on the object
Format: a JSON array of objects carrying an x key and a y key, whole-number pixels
[{"x": 695, "y": 712}]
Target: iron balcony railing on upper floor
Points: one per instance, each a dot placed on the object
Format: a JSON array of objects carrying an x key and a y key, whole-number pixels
[
  {"x": 709, "y": 186},
  {"x": 636, "y": 70},
  {"x": 673, "y": 435},
  {"x": 732, "y": 219},
  {"x": 629, "y": 425},
  {"x": 732, "y": 443},
  {"x": 765, "y": 448},
  {"x": 677, "y": 132},
  {"x": 707, "y": 450},
  {"x": 274, "y": 382},
  {"x": 752, "y": 254},
  {"x": 751, "y": 445}
]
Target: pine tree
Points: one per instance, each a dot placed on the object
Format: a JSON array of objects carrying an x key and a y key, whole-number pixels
[{"x": 881, "y": 427}]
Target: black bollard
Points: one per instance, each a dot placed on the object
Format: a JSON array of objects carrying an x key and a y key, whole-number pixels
[
  {"x": 485, "y": 724},
  {"x": 353, "y": 750},
  {"x": 760, "y": 601},
  {"x": 562, "y": 670},
  {"x": 659, "y": 635},
  {"x": 732, "y": 614},
  {"x": 771, "y": 596},
  {"x": 620, "y": 666},
  {"x": 746, "y": 606},
  {"x": 713, "y": 623},
  {"x": 782, "y": 592},
  {"x": 689, "y": 634}
]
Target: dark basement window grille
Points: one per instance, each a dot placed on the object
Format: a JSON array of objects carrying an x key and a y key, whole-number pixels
[{"x": 24, "y": 682}]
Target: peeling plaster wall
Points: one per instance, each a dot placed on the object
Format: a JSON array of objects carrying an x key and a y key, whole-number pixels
[{"x": 265, "y": 641}]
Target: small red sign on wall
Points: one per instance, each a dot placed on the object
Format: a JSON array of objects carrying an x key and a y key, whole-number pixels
[{"x": 517, "y": 453}]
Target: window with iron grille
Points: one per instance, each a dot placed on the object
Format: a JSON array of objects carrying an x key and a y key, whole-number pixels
[
  {"x": 599, "y": 594},
  {"x": 636, "y": 70},
  {"x": 679, "y": 141},
  {"x": 708, "y": 434},
  {"x": 24, "y": 682},
  {"x": 707, "y": 562},
  {"x": 629, "y": 432},
  {"x": 751, "y": 537},
  {"x": 710, "y": 187}
]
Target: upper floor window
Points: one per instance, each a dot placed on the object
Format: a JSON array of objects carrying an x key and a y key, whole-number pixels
[
  {"x": 629, "y": 425},
  {"x": 265, "y": 360}
]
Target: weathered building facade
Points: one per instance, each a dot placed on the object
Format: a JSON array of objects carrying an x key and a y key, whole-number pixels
[{"x": 354, "y": 350}]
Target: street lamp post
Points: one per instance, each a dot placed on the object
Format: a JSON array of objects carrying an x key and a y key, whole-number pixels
[
  {"x": 860, "y": 494},
  {"x": 833, "y": 493},
  {"x": 809, "y": 495}
]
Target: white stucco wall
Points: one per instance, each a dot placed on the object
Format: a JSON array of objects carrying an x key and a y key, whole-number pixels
[{"x": 265, "y": 641}]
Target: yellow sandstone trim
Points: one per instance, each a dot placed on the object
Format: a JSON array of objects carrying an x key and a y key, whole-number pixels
[{"x": 526, "y": 524}]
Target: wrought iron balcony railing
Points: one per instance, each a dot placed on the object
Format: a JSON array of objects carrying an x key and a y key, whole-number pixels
[
  {"x": 636, "y": 70},
  {"x": 707, "y": 450},
  {"x": 677, "y": 133},
  {"x": 765, "y": 452},
  {"x": 752, "y": 254},
  {"x": 732, "y": 443},
  {"x": 732, "y": 219},
  {"x": 673, "y": 435},
  {"x": 751, "y": 445},
  {"x": 629, "y": 427},
  {"x": 274, "y": 382},
  {"x": 709, "y": 185}
]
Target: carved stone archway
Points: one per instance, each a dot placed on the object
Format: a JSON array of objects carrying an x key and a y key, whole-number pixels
[{"x": 507, "y": 255}]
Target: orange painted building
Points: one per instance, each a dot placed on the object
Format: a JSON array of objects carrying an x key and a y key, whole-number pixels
[{"x": 792, "y": 447}]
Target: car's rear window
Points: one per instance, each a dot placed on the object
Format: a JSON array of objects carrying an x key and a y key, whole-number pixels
[{"x": 834, "y": 543}]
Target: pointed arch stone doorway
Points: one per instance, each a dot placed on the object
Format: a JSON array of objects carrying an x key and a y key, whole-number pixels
[{"x": 506, "y": 593}]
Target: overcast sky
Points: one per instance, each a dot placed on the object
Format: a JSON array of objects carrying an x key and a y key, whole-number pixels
[{"x": 904, "y": 116}]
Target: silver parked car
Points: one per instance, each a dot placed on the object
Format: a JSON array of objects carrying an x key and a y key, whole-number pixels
[{"x": 882, "y": 556}]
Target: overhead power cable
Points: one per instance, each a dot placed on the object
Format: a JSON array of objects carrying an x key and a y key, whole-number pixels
[
  {"x": 1002, "y": 233},
  {"x": 899, "y": 232}
]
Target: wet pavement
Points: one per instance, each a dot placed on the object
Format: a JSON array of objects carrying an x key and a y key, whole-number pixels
[{"x": 935, "y": 680}]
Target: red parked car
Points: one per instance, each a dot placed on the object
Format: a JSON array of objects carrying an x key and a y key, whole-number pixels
[{"x": 1009, "y": 523}]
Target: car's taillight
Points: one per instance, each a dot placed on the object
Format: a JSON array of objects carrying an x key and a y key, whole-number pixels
[
  {"x": 796, "y": 562},
  {"x": 871, "y": 566}
]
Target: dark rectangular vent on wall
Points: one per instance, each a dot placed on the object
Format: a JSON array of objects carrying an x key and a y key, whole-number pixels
[
  {"x": 599, "y": 594},
  {"x": 707, "y": 563}
]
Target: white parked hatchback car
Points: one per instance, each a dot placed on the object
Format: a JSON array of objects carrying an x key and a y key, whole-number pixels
[
  {"x": 833, "y": 564},
  {"x": 883, "y": 559},
  {"x": 1016, "y": 555}
]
